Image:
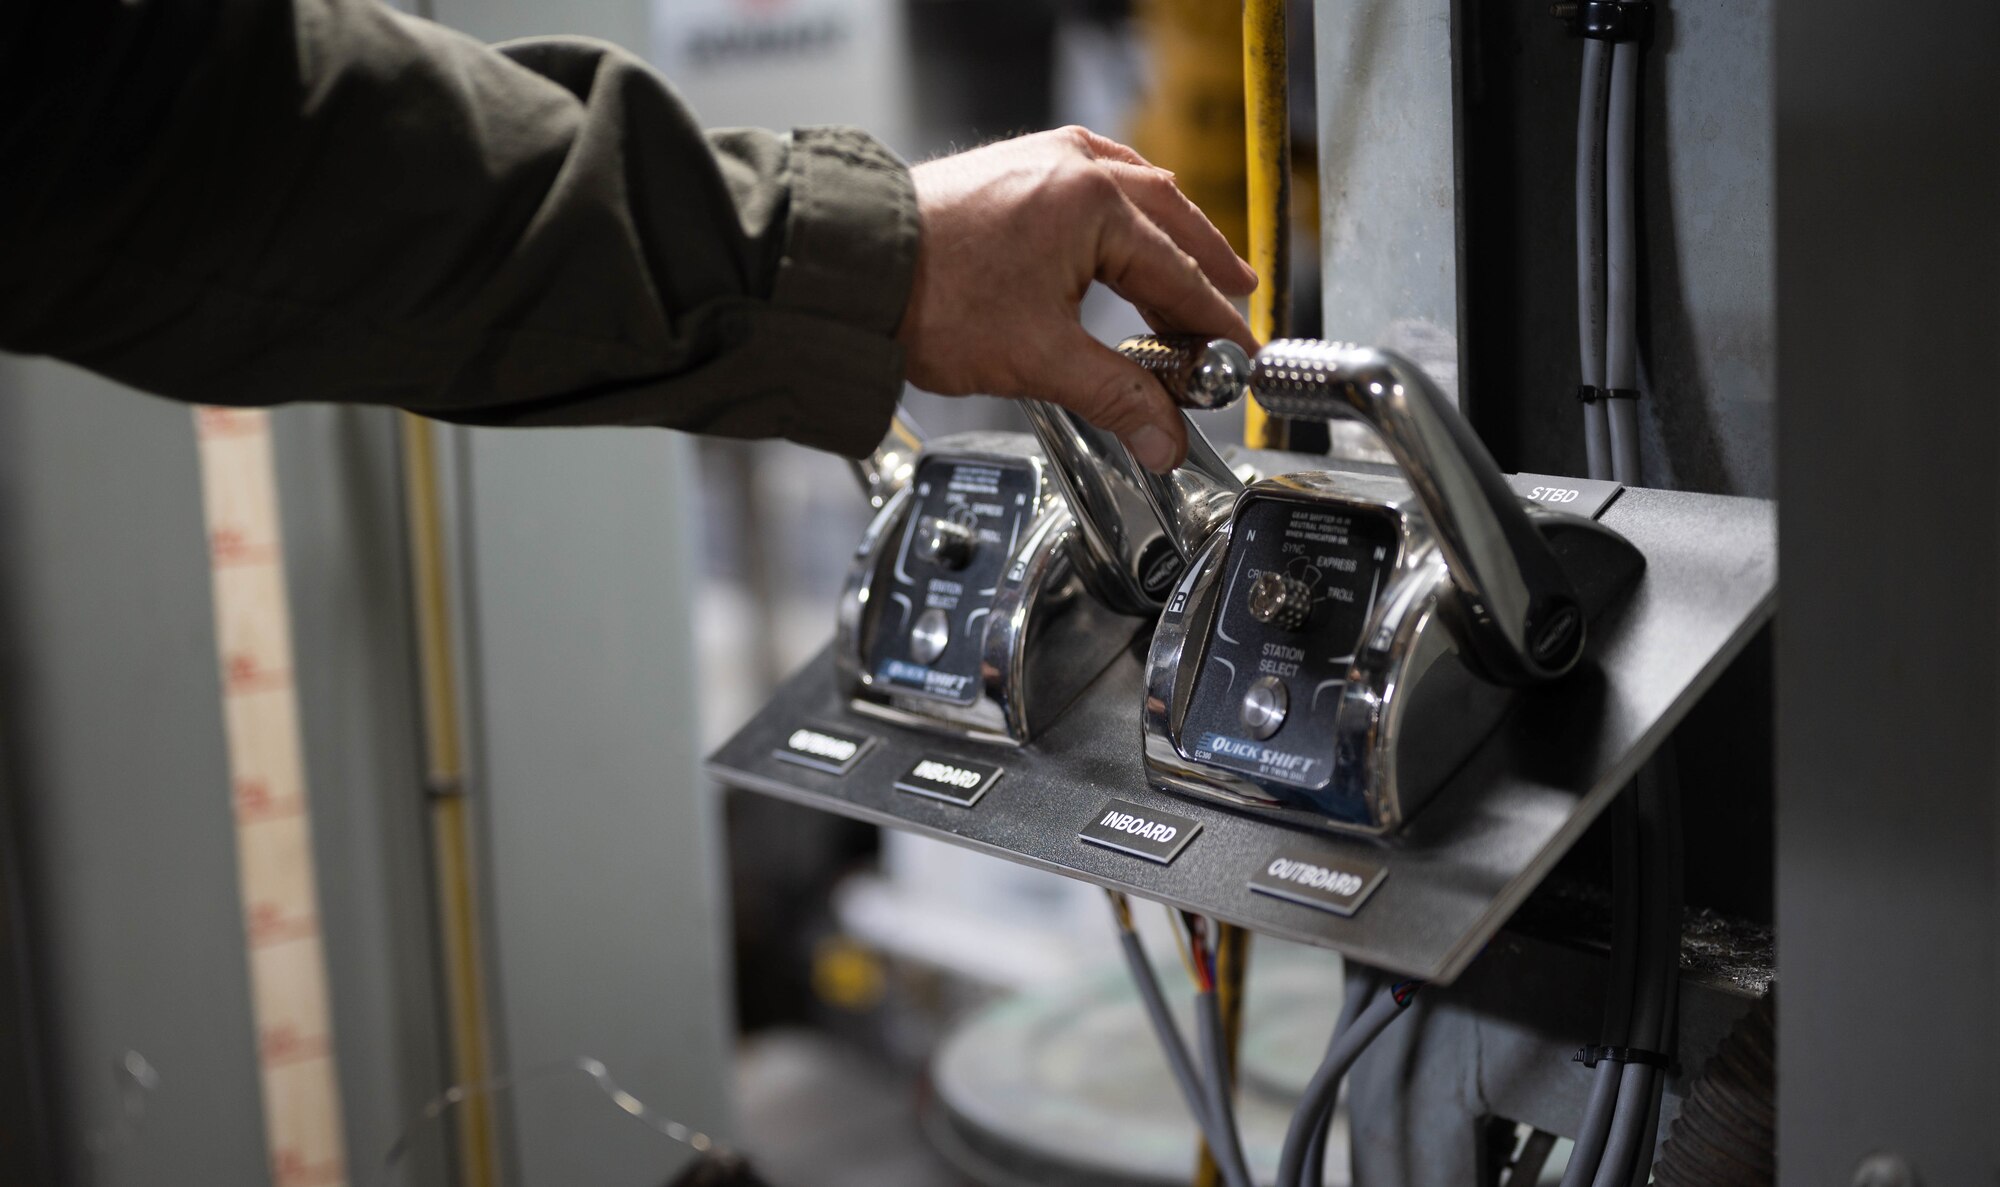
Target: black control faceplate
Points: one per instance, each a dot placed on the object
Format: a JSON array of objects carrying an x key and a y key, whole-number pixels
[
  {"x": 925, "y": 598},
  {"x": 1343, "y": 555}
]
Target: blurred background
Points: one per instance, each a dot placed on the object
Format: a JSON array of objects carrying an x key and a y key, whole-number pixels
[{"x": 615, "y": 604}]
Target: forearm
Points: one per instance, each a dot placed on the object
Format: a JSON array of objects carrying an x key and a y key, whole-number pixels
[{"x": 320, "y": 199}]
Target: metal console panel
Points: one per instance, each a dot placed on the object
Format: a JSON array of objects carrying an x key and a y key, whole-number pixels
[{"x": 1451, "y": 876}]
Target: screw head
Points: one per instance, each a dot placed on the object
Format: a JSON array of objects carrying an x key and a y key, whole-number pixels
[{"x": 1882, "y": 1169}]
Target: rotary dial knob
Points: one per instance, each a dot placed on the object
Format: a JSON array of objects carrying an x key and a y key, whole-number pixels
[
  {"x": 1282, "y": 601},
  {"x": 946, "y": 542}
]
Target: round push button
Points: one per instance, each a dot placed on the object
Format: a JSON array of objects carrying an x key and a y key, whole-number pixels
[
  {"x": 1264, "y": 705},
  {"x": 929, "y": 636}
]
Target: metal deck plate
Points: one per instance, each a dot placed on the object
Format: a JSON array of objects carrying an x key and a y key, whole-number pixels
[{"x": 1454, "y": 874}]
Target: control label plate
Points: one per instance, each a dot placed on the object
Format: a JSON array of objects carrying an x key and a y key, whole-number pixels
[
  {"x": 1142, "y": 832},
  {"x": 824, "y": 748},
  {"x": 932, "y": 628},
  {"x": 1338, "y": 885},
  {"x": 1301, "y": 580},
  {"x": 1587, "y": 497},
  {"x": 954, "y": 780}
]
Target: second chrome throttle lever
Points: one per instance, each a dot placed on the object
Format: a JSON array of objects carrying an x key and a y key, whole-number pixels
[{"x": 1523, "y": 624}]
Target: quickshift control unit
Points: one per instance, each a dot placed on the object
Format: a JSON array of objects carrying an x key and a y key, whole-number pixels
[
  {"x": 978, "y": 603},
  {"x": 1345, "y": 639}
]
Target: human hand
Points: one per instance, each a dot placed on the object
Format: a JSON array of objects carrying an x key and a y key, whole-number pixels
[{"x": 1013, "y": 235}]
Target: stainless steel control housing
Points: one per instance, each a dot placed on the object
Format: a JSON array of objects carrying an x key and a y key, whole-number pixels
[
  {"x": 1044, "y": 637},
  {"x": 1411, "y": 710}
]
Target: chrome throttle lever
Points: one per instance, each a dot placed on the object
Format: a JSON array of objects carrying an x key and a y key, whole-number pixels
[
  {"x": 1138, "y": 529},
  {"x": 1522, "y": 622}
]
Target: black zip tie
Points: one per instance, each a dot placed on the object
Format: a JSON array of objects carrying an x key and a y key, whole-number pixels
[
  {"x": 1605, "y": 20},
  {"x": 1621, "y": 393},
  {"x": 1592, "y": 1056},
  {"x": 1586, "y": 394}
]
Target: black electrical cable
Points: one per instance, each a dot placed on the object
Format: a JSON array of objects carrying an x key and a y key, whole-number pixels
[
  {"x": 1225, "y": 1144},
  {"x": 1325, "y": 1083},
  {"x": 1360, "y": 988}
]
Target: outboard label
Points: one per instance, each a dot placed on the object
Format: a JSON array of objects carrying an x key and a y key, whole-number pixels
[
  {"x": 824, "y": 748},
  {"x": 958, "y": 781},
  {"x": 1142, "y": 832},
  {"x": 1336, "y": 884}
]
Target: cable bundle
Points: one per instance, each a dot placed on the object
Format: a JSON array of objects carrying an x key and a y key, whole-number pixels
[
  {"x": 1607, "y": 243},
  {"x": 1207, "y": 1091}
]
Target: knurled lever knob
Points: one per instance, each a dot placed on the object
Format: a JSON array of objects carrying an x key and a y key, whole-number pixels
[
  {"x": 1280, "y": 600},
  {"x": 946, "y": 542},
  {"x": 1198, "y": 372}
]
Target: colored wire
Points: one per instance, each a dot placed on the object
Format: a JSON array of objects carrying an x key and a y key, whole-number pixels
[
  {"x": 1225, "y": 1141},
  {"x": 1182, "y": 1067},
  {"x": 1232, "y": 963}
]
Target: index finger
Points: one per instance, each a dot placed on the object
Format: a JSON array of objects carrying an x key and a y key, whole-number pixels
[{"x": 1140, "y": 263}]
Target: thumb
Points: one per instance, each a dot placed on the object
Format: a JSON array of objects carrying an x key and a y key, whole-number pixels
[{"x": 1115, "y": 394}]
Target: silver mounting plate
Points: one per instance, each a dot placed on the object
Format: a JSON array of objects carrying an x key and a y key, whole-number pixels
[{"x": 1453, "y": 875}]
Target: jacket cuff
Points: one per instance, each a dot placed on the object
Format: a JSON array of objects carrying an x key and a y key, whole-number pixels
[{"x": 850, "y": 256}]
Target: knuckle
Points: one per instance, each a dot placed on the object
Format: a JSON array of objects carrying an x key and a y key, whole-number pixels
[{"x": 1123, "y": 401}]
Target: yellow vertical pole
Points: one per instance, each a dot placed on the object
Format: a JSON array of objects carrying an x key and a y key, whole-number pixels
[
  {"x": 454, "y": 880},
  {"x": 1267, "y": 123}
]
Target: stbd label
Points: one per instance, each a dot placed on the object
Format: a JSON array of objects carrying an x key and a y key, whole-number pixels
[
  {"x": 958, "y": 781},
  {"x": 824, "y": 748},
  {"x": 1142, "y": 832},
  {"x": 1587, "y": 497},
  {"x": 1336, "y": 884}
]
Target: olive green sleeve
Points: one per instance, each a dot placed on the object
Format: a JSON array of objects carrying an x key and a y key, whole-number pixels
[{"x": 261, "y": 201}]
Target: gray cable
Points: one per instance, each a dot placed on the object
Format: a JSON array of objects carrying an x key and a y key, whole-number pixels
[
  {"x": 1621, "y": 319},
  {"x": 1228, "y": 1150},
  {"x": 1659, "y": 971},
  {"x": 1360, "y": 989},
  {"x": 1665, "y": 771},
  {"x": 1325, "y": 1082},
  {"x": 1168, "y": 1034},
  {"x": 1590, "y": 249},
  {"x": 1588, "y": 1153}
]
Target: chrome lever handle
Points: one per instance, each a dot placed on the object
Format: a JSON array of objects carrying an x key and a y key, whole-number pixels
[
  {"x": 1522, "y": 622},
  {"x": 1124, "y": 511}
]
